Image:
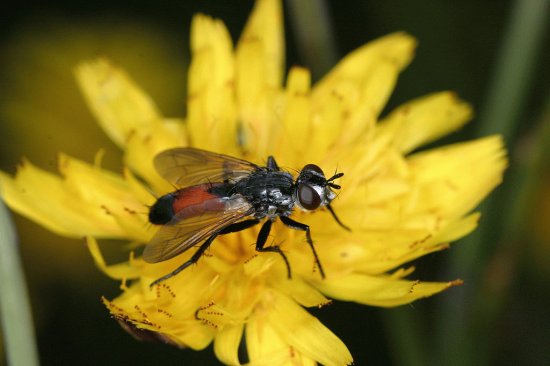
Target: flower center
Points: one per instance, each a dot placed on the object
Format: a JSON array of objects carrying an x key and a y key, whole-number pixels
[{"x": 235, "y": 248}]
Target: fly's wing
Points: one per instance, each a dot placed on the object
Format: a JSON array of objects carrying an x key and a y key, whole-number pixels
[
  {"x": 188, "y": 166},
  {"x": 181, "y": 233}
]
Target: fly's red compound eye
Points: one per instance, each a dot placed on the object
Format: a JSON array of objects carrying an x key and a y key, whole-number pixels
[{"x": 308, "y": 197}]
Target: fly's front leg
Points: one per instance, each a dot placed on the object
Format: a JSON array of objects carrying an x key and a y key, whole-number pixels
[
  {"x": 331, "y": 210},
  {"x": 303, "y": 227},
  {"x": 194, "y": 259},
  {"x": 260, "y": 242}
]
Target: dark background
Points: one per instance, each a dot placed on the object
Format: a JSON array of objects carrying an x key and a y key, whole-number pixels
[{"x": 43, "y": 113}]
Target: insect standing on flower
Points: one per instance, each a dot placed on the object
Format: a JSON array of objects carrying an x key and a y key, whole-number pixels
[{"x": 218, "y": 194}]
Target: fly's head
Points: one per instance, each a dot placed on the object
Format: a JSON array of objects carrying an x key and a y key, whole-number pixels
[{"x": 313, "y": 190}]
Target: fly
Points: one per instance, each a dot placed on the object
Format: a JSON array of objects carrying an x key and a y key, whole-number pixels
[{"x": 219, "y": 194}]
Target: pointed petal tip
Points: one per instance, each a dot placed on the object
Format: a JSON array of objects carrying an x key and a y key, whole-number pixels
[{"x": 457, "y": 282}]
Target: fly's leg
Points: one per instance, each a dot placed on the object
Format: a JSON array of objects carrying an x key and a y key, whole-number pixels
[
  {"x": 260, "y": 242},
  {"x": 229, "y": 229},
  {"x": 193, "y": 259},
  {"x": 303, "y": 227},
  {"x": 331, "y": 210},
  {"x": 239, "y": 226}
]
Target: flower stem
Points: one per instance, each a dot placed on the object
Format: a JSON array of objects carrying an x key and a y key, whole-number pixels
[
  {"x": 505, "y": 102},
  {"x": 312, "y": 26},
  {"x": 17, "y": 325}
]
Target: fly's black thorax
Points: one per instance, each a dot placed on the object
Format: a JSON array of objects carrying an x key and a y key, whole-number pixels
[{"x": 269, "y": 192}]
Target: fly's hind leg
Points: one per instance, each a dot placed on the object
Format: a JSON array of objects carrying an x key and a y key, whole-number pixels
[
  {"x": 193, "y": 259},
  {"x": 260, "y": 242},
  {"x": 303, "y": 227},
  {"x": 229, "y": 229}
]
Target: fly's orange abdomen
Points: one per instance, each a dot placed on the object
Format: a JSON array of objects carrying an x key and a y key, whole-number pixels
[
  {"x": 184, "y": 203},
  {"x": 195, "y": 201}
]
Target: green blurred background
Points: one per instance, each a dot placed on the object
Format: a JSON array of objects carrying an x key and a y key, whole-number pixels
[{"x": 494, "y": 54}]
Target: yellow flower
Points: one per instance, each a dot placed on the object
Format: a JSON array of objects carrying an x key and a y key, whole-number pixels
[{"x": 400, "y": 204}]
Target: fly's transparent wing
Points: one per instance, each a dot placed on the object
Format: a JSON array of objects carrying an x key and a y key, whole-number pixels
[
  {"x": 183, "y": 233},
  {"x": 188, "y": 166}
]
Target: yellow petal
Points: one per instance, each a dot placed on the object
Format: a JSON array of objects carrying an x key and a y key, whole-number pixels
[
  {"x": 151, "y": 316},
  {"x": 424, "y": 190},
  {"x": 453, "y": 179},
  {"x": 137, "y": 189},
  {"x": 287, "y": 357},
  {"x": 399, "y": 248},
  {"x": 264, "y": 346},
  {"x": 145, "y": 144},
  {"x": 119, "y": 105},
  {"x": 332, "y": 119},
  {"x": 226, "y": 344},
  {"x": 48, "y": 200},
  {"x": 99, "y": 188},
  {"x": 364, "y": 80},
  {"x": 296, "y": 123},
  {"x": 211, "y": 113},
  {"x": 265, "y": 26},
  {"x": 195, "y": 336},
  {"x": 120, "y": 271},
  {"x": 384, "y": 251},
  {"x": 425, "y": 119},
  {"x": 459, "y": 228},
  {"x": 302, "y": 292},
  {"x": 385, "y": 291},
  {"x": 306, "y": 333},
  {"x": 259, "y": 70}
]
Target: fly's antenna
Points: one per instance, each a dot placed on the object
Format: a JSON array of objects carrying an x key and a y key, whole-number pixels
[{"x": 334, "y": 177}]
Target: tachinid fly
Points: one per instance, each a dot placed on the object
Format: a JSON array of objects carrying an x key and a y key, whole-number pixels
[{"x": 219, "y": 194}]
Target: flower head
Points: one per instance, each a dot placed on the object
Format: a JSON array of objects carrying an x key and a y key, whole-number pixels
[{"x": 400, "y": 204}]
